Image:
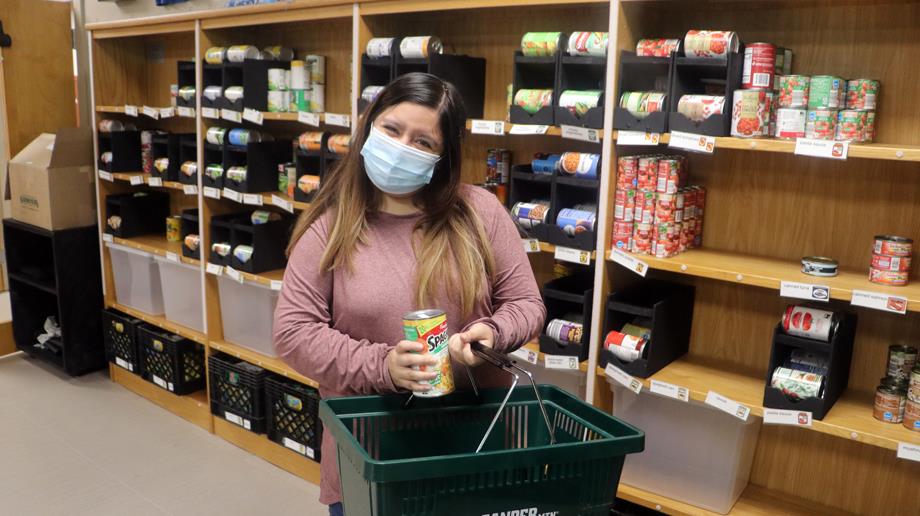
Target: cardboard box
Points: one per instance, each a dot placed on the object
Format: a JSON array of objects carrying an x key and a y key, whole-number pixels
[{"x": 51, "y": 181}]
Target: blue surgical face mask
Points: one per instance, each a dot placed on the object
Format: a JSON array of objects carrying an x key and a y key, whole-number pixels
[{"x": 396, "y": 168}]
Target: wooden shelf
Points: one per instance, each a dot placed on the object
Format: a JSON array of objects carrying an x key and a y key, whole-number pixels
[
  {"x": 121, "y": 110},
  {"x": 267, "y": 200},
  {"x": 156, "y": 244},
  {"x": 193, "y": 407},
  {"x": 126, "y": 176},
  {"x": 264, "y": 278},
  {"x": 550, "y": 248},
  {"x": 552, "y": 131},
  {"x": 771, "y": 272},
  {"x": 161, "y": 322},
  {"x": 260, "y": 445},
  {"x": 541, "y": 357},
  {"x": 850, "y": 418},
  {"x": 754, "y": 501},
  {"x": 273, "y": 364}
]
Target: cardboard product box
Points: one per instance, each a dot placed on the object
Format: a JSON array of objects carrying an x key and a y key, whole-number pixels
[{"x": 51, "y": 181}]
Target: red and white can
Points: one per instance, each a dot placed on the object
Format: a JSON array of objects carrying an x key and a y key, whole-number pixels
[
  {"x": 669, "y": 175},
  {"x": 790, "y": 123},
  {"x": 890, "y": 263},
  {"x": 686, "y": 235},
  {"x": 626, "y": 347},
  {"x": 890, "y": 278},
  {"x": 622, "y": 235},
  {"x": 811, "y": 323},
  {"x": 642, "y": 239},
  {"x": 891, "y": 245},
  {"x": 759, "y": 65},
  {"x": 627, "y": 170},
  {"x": 679, "y": 206},
  {"x": 624, "y": 204},
  {"x": 645, "y": 207},
  {"x": 751, "y": 113},
  {"x": 647, "y": 173},
  {"x": 665, "y": 208}
]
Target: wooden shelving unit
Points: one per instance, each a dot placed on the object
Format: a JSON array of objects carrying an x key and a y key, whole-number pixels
[
  {"x": 160, "y": 322},
  {"x": 158, "y": 245},
  {"x": 129, "y": 176},
  {"x": 276, "y": 365},
  {"x": 193, "y": 407},
  {"x": 755, "y": 501},
  {"x": 552, "y": 130}
]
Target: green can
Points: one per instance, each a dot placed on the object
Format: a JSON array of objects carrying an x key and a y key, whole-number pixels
[
  {"x": 237, "y": 174},
  {"x": 540, "y": 44},
  {"x": 870, "y": 126},
  {"x": 214, "y": 170},
  {"x": 862, "y": 93},
  {"x": 827, "y": 92},
  {"x": 797, "y": 385},
  {"x": 532, "y": 100},
  {"x": 300, "y": 100}
]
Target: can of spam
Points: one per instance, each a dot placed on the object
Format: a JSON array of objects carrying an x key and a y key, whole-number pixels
[{"x": 429, "y": 327}]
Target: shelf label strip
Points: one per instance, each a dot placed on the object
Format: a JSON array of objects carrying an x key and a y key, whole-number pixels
[
  {"x": 670, "y": 390},
  {"x": 728, "y": 406},
  {"x": 805, "y": 291},
  {"x": 786, "y": 417},
  {"x": 883, "y": 302}
]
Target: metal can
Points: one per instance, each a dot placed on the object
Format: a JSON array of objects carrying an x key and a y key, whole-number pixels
[
  {"x": 310, "y": 141},
  {"x": 147, "y": 161},
  {"x": 710, "y": 44},
  {"x": 192, "y": 242},
  {"x": 222, "y": 249},
  {"x": 174, "y": 228},
  {"x": 794, "y": 91},
  {"x": 810, "y": 323},
  {"x": 316, "y": 65},
  {"x": 565, "y": 332},
  {"x": 862, "y": 94},
  {"x": 627, "y": 170},
  {"x": 759, "y": 65},
  {"x": 277, "y": 79},
  {"x": 532, "y": 101},
  {"x": 890, "y": 401},
  {"x": 242, "y": 137},
  {"x": 308, "y": 183},
  {"x": 243, "y": 253},
  {"x": 870, "y": 126},
  {"x": 429, "y": 327},
  {"x": 790, "y": 123},
  {"x": 239, "y": 53},
  {"x": 825, "y": 92},
  {"x": 622, "y": 235},
  {"x": 278, "y": 101},
  {"x": 215, "y": 55},
  {"x": 215, "y": 135},
  {"x": 189, "y": 168},
  {"x": 624, "y": 204},
  {"x": 277, "y": 53},
  {"x": 911, "y": 420},
  {"x": 579, "y": 164},
  {"x": 259, "y": 217},
  {"x": 370, "y": 93},
  {"x": 627, "y": 348},
  {"x": 186, "y": 93},
  {"x": 850, "y": 125},
  {"x": 233, "y": 93},
  {"x": 540, "y": 44},
  {"x": 645, "y": 207},
  {"x": 214, "y": 170},
  {"x": 420, "y": 47},
  {"x": 670, "y": 175},
  {"x": 579, "y": 102},
  {"x": 891, "y": 245},
  {"x": 700, "y": 107},
  {"x": 642, "y": 239},
  {"x": 819, "y": 266},
  {"x": 379, "y": 47},
  {"x": 657, "y": 47},
  {"x": 213, "y": 92},
  {"x": 750, "y": 113},
  {"x": 299, "y": 100},
  {"x": 530, "y": 214},
  {"x": 110, "y": 126},
  {"x": 236, "y": 174},
  {"x": 797, "y": 385},
  {"x": 647, "y": 173},
  {"x": 545, "y": 164},
  {"x": 890, "y": 278},
  {"x": 890, "y": 263},
  {"x": 574, "y": 221},
  {"x": 913, "y": 389},
  {"x": 338, "y": 143},
  {"x": 821, "y": 124},
  {"x": 665, "y": 208},
  {"x": 161, "y": 165},
  {"x": 502, "y": 166},
  {"x": 588, "y": 44},
  {"x": 901, "y": 362}
]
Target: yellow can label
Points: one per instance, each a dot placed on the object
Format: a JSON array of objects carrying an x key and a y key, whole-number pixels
[{"x": 432, "y": 332}]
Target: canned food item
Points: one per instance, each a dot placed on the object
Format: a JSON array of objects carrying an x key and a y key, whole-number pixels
[
  {"x": 110, "y": 126},
  {"x": 565, "y": 332},
  {"x": 700, "y": 107},
  {"x": 106, "y": 157},
  {"x": 308, "y": 183},
  {"x": 215, "y": 55},
  {"x": 911, "y": 420},
  {"x": 578, "y": 102},
  {"x": 277, "y": 78},
  {"x": 213, "y": 93},
  {"x": 299, "y": 100},
  {"x": 657, "y": 47},
  {"x": 579, "y": 164},
  {"x": 647, "y": 173},
  {"x": 316, "y": 65},
  {"x": 215, "y": 135},
  {"x": 810, "y": 323},
  {"x": 239, "y": 53},
  {"x": 161, "y": 165},
  {"x": 300, "y": 77},
  {"x": 498, "y": 166},
  {"x": 537, "y": 44},
  {"x": 317, "y": 98},
  {"x": 759, "y": 65},
  {"x": 114, "y": 222},
  {"x": 174, "y": 228},
  {"x": 370, "y": 93},
  {"x": 420, "y": 47},
  {"x": 588, "y": 44},
  {"x": 233, "y": 93},
  {"x": 545, "y": 164},
  {"x": 287, "y": 178},
  {"x": 790, "y": 123},
  {"x": 627, "y": 348},
  {"x": 379, "y": 47},
  {"x": 750, "y": 113},
  {"x": 641, "y": 104},
  {"x": 429, "y": 327},
  {"x": 189, "y": 168},
  {"x": 237, "y": 174},
  {"x": 890, "y": 263},
  {"x": 242, "y": 137},
  {"x": 819, "y": 266},
  {"x": 263, "y": 216},
  {"x": 530, "y": 214},
  {"x": 277, "y": 53},
  {"x": 214, "y": 170},
  {"x": 278, "y": 101},
  {"x": 623, "y": 241},
  {"x": 310, "y": 141},
  {"x": 797, "y": 385},
  {"x": 862, "y": 94},
  {"x": 891, "y": 245},
  {"x": 665, "y": 208},
  {"x": 826, "y": 92},
  {"x": 710, "y": 44},
  {"x": 670, "y": 176},
  {"x": 627, "y": 170},
  {"x": 870, "y": 126},
  {"x": 794, "y": 91},
  {"x": 889, "y": 405},
  {"x": 624, "y": 205},
  {"x": 821, "y": 124},
  {"x": 576, "y": 221},
  {"x": 901, "y": 362},
  {"x": 222, "y": 249},
  {"x": 192, "y": 242},
  {"x": 642, "y": 239},
  {"x": 850, "y": 125},
  {"x": 913, "y": 389},
  {"x": 186, "y": 93},
  {"x": 338, "y": 143},
  {"x": 147, "y": 161},
  {"x": 645, "y": 207},
  {"x": 243, "y": 253},
  {"x": 532, "y": 101}
]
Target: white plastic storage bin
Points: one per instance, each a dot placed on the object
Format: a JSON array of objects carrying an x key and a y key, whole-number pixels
[
  {"x": 137, "y": 279},
  {"x": 693, "y": 453},
  {"x": 247, "y": 311},
  {"x": 181, "y": 293}
]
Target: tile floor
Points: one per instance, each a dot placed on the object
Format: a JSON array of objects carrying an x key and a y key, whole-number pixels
[{"x": 86, "y": 446}]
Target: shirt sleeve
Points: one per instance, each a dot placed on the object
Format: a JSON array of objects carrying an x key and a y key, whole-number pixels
[{"x": 304, "y": 337}]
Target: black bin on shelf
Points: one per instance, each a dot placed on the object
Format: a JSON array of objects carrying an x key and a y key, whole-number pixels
[
  {"x": 189, "y": 226},
  {"x": 664, "y": 308},
  {"x": 237, "y": 391},
  {"x": 268, "y": 242},
  {"x": 638, "y": 73},
  {"x": 213, "y": 154},
  {"x": 119, "y": 333},
  {"x": 261, "y": 160},
  {"x": 212, "y": 75},
  {"x": 170, "y": 361},
  {"x": 839, "y": 352},
  {"x": 527, "y": 186},
  {"x": 536, "y": 73},
  {"x": 169, "y": 146},
  {"x": 697, "y": 76},
  {"x": 377, "y": 71},
  {"x": 568, "y": 192},
  {"x": 188, "y": 151},
  {"x": 292, "y": 414},
  {"x": 309, "y": 163},
  {"x": 467, "y": 74},
  {"x": 581, "y": 73},
  {"x": 571, "y": 294},
  {"x": 125, "y": 147},
  {"x": 222, "y": 232},
  {"x": 255, "y": 82},
  {"x": 142, "y": 213},
  {"x": 185, "y": 77}
]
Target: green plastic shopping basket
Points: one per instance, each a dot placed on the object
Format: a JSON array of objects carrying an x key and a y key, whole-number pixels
[{"x": 551, "y": 454}]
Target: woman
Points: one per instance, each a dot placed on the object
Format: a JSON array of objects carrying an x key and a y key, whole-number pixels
[{"x": 392, "y": 230}]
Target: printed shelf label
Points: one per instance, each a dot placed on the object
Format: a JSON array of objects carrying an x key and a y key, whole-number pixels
[
  {"x": 252, "y": 199},
  {"x": 155, "y": 181},
  {"x": 560, "y": 362},
  {"x": 171, "y": 256},
  {"x": 670, "y": 390},
  {"x": 581, "y": 133},
  {"x": 207, "y": 112},
  {"x": 276, "y": 284},
  {"x": 629, "y": 261},
  {"x": 883, "y": 302},
  {"x": 622, "y": 378},
  {"x": 909, "y": 451},
  {"x": 728, "y": 406},
  {"x": 283, "y": 203},
  {"x": 494, "y": 127},
  {"x": 213, "y": 268},
  {"x": 186, "y": 112},
  {"x": 337, "y": 119},
  {"x": 106, "y": 175},
  {"x": 805, "y": 291},
  {"x": 233, "y": 195},
  {"x": 568, "y": 254},
  {"x": 136, "y": 180},
  {"x": 526, "y": 355},
  {"x": 231, "y": 116},
  {"x": 130, "y": 110},
  {"x": 296, "y": 446},
  {"x": 190, "y": 189},
  {"x": 308, "y": 118},
  {"x": 252, "y": 115},
  {"x": 234, "y": 274},
  {"x": 531, "y": 245},
  {"x": 524, "y": 129},
  {"x": 821, "y": 148},
  {"x": 213, "y": 193},
  {"x": 107, "y": 237},
  {"x": 637, "y": 138},
  {"x": 693, "y": 142},
  {"x": 786, "y": 417},
  {"x": 151, "y": 112}
]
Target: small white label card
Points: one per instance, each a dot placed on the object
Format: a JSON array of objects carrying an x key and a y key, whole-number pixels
[
  {"x": 531, "y": 245},
  {"x": 623, "y": 378},
  {"x": 488, "y": 127},
  {"x": 130, "y": 110},
  {"x": 528, "y": 129},
  {"x": 231, "y": 116},
  {"x": 294, "y": 445},
  {"x": 693, "y": 142},
  {"x": 213, "y": 193},
  {"x": 283, "y": 203},
  {"x": 337, "y": 119},
  {"x": 252, "y": 199},
  {"x": 821, "y": 148},
  {"x": 155, "y": 181},
  {"x": 909, "y": 451},
  {"x": 307, "y": 118},
  {"x": 276, "y": 284},
  {"x": 106, "y": 175},
  {"x": 884, "y": 302},
  {"x": 106, "y": 237},
  {"x": 150, "y": 111},
  {"x": 233, "y": 274},
  {"x": 252, "y": 115},
  {"x": 173, "y": 257},
  {"x": 670, "y": 390},
  {"x": 728, "y": 406},
  {"x": 123, "y": 364},
  {"x": 581, "y": 133},
  {"x": 567, "y": 254},
  {"x": 560, "y": 362},
  {"x": 188, "y": 112},
  {"x": 208, "y": 112},
  {"x": 159, "y": 381},
  {"x": 233, "y": 418},
  {"x": 805, "y": 291},
  {"x": 637, "y": 138},
  {"x": 167, "y": 112},
  {"x": 214, "y": 269},
  {"x": 526, "y": 355},
  {"x": 190, "y": 189},
  {"x": 786, "y": 417},
  {"x": 233, "y": 195},
  {"x": 629, "y": 261},
  {"x": 136, "y": 180}
]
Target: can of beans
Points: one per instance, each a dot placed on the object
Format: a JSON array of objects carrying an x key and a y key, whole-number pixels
[
  {"x": 627, "y": 170},
  {"x": 379, "y": 47},
  {"x": 901, "y": 362},
  {"x": 627, "y": 348},
  {"x": 750, "y": 113},
  {"x": 530, "y": 214},
  {"x": 759, "y": 65},
  {"x": 624, "y": 205},
  {"x": 890, "y": 263},
  {"x": 540, "y": 44},
  {"x": 821, "y": 124},
  {"x": 797, "y": 385},
  {"x": 574, "y": 221},
  {"x": 215, "y": 55},
  {"x": 794, "y": 91},
  {"x": 532, "y": 101},
  {"x": 890, "y": 401},
  {"x": 790, "y": 123},
  {"x": 565, "y": 332},
  {"x": 913, "y": 389},
  {"x": 862, "y": 94},
  {"x": 657, "y": 47},
  {"x": 647, "y": 174},
  {"x": 825, "y": 92},
  {"x": 429, "y": 327},
  {"x": 239, "y": 53},
  {"x": 174, "y": 228},
  {"x": 810, "y": 323},
  {"x": 893, "y": 245},
  {"x": 579, "y": 164},
  {"x": 850, "y": 125}
]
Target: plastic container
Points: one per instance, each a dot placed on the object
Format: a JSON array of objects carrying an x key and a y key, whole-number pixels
[
  {"x": 120, "y": 338},
  {"x": 137, "y": 279},
  {"x": 247, "y": 311},
  {"x": 693, "y": 453},
  {"x": 237, "y": 391},
  {"x": 171, "y": 362},
  {"x": 182, "y": 294},
  {"x": 292, "y": 414}
]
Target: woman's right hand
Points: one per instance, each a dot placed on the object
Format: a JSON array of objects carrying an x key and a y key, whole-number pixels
[{"x": 400, "y": 361}]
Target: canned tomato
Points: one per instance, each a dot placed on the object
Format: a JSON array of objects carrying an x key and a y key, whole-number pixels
[
  {"x": 588, "y": 44},
  {"x": 669, "y": 175},
  {"x": 627, "y": 170},
  {"x": 901, "y": 362},
  {"x": 174, "y": 228},
  {"x": 890, "y": 263},
  {"x": 215, "y": 55},
  {"x": 821, "y": 124},
  {"x": 759, "y": 65},
  {"x": 850, "y": 125},
  {"x": 645, "y": 207},
  {"x": 862, "y": 94},
  {"x": 579, "y": 164},
  {"x": 532, "y": 101},
  {"x": 870, "y": 126},
  {"x": 379, "y": 47},
  {"x": 825, "y": 92},
  {"x": 790, "y": 123},
  {"x": 214, "y": 170},
  {"x": 710, "y": 44},
  {"x": 750, "y": 113},
  {"x": 642, "y": 239},
  {"x": 890, "y": 401},
  {"x": 893, "y": 245},
  {"x": 565, "y": 332},
  {"x": 622, "y": 235},
  {"x": 811, "y": 323},
  {"x": 665, "y": 208},
  {"x": 429, "y": 327},
  {"x": 797, "y": 385},
  {"x": 657, "y": 47},
  {"x": 624, "y": 205},
  {"x": 700, "y": 107},
  {"x": 530, "y": 214},
  {"x": 537, "y": 44},
  {"x": 239, "y": 53},
  {"x": 793, "y": 91},
  {"x": 576, "y": 221},
  {"x": 627, "y": 348},
  {"x": 647, "y": 174}
]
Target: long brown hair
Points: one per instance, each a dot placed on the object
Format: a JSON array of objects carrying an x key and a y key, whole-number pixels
[{"x": 449, "y": 230}]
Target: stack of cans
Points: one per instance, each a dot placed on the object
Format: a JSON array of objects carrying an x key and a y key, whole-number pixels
[
  {"x": 832, "y": 108},
  {"x": 300, "y": 88},
  {"x": 498, "y": 172},
  {"x": 891, "y": 256},
  {"x": 752, "y": 105},
  {"x": 897, "y": 398},
  {"x": 802, "y": 375}
]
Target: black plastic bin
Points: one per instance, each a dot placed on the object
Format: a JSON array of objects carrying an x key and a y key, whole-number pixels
[
  {"x": 261, "y": 160},
  {"x": 536, "y": 73},
  {"x": 581, "y": 73},
  {"x": 142, "y": 213},
  {"x": 696, "y": 76},
  {"x": 189, "y": 226},
  {"x": 174, "y": 363},
  {"x": 222, "y": 232},
  {"x": 119, "y": 332},
  {"x": 292, "y": 414},
  {"x": 237, "y": 391},
  {"x": 125, "y": 147},
  {"x": 268, "y": 242},
  {"x": 638, "y": 73},
  {"x": 571, "y": 294}
]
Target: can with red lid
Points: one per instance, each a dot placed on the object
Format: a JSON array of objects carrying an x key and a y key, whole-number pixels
[
  {"x": 890, "y": 263},
  {"x": 887, "y": 277},
  {"x": 759, "y": 65},
  {"x": 891, "y": 245},
  {"x": 811, "y": 323}
]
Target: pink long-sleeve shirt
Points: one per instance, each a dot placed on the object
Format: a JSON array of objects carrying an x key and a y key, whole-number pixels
[{"x": 338, "y": 327}]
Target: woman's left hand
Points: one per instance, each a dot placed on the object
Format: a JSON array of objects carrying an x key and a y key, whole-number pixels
[{"x": 460, "y": 343}]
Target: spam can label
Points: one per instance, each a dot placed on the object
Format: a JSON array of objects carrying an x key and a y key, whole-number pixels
[{"x": 430, "y": 328}]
